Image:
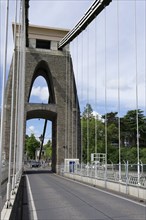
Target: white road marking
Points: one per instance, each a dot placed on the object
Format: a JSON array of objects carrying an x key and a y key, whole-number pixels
[{"x": 31, "y": 200}]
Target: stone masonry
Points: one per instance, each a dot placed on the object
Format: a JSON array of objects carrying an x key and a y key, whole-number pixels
[{"x": 63, "y": 108}]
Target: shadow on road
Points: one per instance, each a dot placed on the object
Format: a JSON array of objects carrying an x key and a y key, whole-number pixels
[
  {"x": 37, "y": 171},
  {"x": 20, "y": 209}
]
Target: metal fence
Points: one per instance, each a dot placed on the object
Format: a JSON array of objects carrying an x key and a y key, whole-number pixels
[{"x": 128, "y": 173}]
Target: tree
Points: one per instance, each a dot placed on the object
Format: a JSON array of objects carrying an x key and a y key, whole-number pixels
[
  {"x": 129, "y": 127},
  {"x": 48, "y": 150},
  {"x": 88, "y": 112},
  {"x": 143, "y": 155},
  {"x": 111, "y": 118},
  {"x": 31, "y": 144},
  {"x": 92, "y": 133},
  {"x": 112, "y": 128}
]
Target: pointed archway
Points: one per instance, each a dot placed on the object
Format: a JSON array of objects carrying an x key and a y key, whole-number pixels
[{"x": 62, "y": 109}]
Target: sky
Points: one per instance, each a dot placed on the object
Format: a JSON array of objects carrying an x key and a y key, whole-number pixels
[{"x": 101, "y": 59}]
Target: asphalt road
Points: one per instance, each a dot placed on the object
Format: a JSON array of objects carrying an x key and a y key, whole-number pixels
[{"x": 56, "y": 198}]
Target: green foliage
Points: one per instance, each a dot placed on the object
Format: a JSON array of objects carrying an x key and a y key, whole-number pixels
[
  {"x": 91, "y": 128},
  {"x": 48, "y": 150},
  {"x": 111, "y": 118},
  {"x": 143, "y": 155},
  {"x": 93, "y": 135},
  {"x": 113, "y": 154},
  {"x": 129, "y": 154},
  {"x": 88, "y": 112},
  {"x": 130, "y": 127},
  {"x": 31, "y": 144}
]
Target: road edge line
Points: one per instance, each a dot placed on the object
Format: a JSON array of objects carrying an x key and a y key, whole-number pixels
[{"x": 31, "y": 200}]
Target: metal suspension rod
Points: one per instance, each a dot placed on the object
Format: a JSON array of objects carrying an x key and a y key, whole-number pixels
[
  {"x": 23, "y": 85},
  {"x": 96, "y": 117},
  {"x": 26, "y": 22},
  {"x": 11, "y": 121},
  {"x": 89, "y": 16},
  {"x": 106, "y": 139},
  {"x": 68, "y": 110},
  {"x": 88, "y": 121},
  {"x": 14, "y": 71},
  {"x": 76, "y": 102},
  {"x": 136, "y": 88},
  {"x": 119, "y": 107},
  {"x": 21, "y": 92},
  {"x": 82, "y": 73},
  {"x": 19, "y": 89},
  {"x": 3, "y": 91},
  {"x": 17, "y": 98},
  {"x": 72, "y": 106},
  {"x": 66, "y": 99},
  {"x": 71, "y": 114},
  {"x": 145, "y": 57}
]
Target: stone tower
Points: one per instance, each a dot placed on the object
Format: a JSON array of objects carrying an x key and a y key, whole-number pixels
[{"x": 44, "y": 59}]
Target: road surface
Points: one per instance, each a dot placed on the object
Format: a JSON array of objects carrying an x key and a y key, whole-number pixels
[{"x": 55, "y": 198}]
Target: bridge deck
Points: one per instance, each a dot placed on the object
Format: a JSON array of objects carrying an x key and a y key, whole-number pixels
[{"x": 49, "y": 196}]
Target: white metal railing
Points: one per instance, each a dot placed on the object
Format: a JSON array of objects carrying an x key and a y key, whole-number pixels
[{"x": 129, "y": 173}]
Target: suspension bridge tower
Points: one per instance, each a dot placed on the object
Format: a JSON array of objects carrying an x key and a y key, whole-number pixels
[{"x": 43, "y": 58}]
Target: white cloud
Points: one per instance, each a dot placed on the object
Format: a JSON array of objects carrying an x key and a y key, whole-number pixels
[
  {"x": 123, "y": 85},
  {"x": 40, "y": 92},
  {"x": 91, "y": 89},
  {"x": 65, "y": 14},
  {"x": 31, "y": 129},
  {"x": 36, "y": 126},
  {"x": 99, "y": 116}
]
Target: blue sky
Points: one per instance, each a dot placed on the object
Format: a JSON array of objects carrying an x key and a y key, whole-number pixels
[{"x": 89, "y": 57}]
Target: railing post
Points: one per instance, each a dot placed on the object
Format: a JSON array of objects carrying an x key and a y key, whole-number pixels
[
  {"x": 87, "y": 169},
  {"x": 95, "y": 170},
  {"x": 138, "y": 173},
  {"x": 141, "y": 167},
  {"x": 127, "y": 176},
  {"x": 105, "y": 175},
  {"x": 119, "y": 171}
]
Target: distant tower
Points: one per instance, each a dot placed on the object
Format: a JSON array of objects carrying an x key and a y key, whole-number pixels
[{"x": 44, "y": 59}]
